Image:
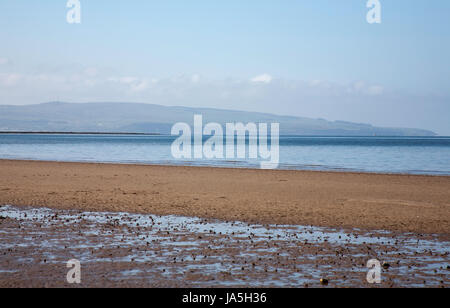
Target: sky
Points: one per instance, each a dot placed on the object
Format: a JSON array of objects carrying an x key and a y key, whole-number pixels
[{"x": 311, "y": 58}]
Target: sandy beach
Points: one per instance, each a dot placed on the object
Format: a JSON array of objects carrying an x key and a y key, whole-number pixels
[
  {"x": 161, "y": 226},
  {"x": 404, "y": 203}
]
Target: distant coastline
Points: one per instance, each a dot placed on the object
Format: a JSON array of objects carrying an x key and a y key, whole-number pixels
[
  {"x": 162, "y": 134},
  {"x": 76, "y": 133},
  {"x": 151, "y": 119}
]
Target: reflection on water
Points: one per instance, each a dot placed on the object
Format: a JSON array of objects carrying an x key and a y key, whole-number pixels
[{"x": 183, "y": 251}]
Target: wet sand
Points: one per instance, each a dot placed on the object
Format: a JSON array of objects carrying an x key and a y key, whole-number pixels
[
  {"x": 404, "y": 203},
  {"x": 136, "y": 250}
]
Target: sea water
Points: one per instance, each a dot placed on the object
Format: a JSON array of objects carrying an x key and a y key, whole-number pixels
[{"x": 412, "y": 155}]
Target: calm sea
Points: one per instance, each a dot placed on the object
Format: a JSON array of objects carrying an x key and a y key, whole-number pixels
[{"x": 414, "y": 155}]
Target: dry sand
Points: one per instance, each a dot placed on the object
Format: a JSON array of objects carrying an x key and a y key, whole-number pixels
[{"x": 405, "y": 203}]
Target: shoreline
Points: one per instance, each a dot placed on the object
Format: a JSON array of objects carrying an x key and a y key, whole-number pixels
[
  {"x": 184, "y": 164},
  {"x": 76, "y": 133},
  {"x": 367, "y": 201}
]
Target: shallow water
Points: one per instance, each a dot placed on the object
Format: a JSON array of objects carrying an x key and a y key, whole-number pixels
[{"x": 184, "y": 251}]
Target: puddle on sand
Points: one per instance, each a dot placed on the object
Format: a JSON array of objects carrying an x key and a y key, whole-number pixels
[{"x": 147, "y": 250}]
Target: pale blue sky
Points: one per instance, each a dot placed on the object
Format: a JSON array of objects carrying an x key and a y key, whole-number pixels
[{"x": 318, "y": 58}]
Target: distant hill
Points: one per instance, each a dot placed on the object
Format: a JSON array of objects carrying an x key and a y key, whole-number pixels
[{"x": 147, "y": 118}]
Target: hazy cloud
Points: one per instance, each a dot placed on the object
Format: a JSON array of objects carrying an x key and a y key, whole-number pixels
[
  {"x": 9, "y": 80},
  {"x": 134, "y": 84},
  {"x": 361, "y": 87},
  {"x": 91, "y": 71},
  {"x": 90, "y": 84},
  {"x": 4, "y": 61},
  {"x": 375, "y": 90},
  {"x": 264, "y": 78},
  {"x": 195, "y": 78},
  {"x": 359, "y": 101}
]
